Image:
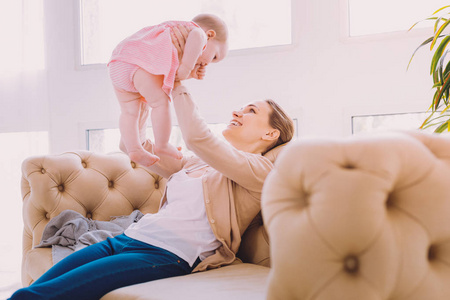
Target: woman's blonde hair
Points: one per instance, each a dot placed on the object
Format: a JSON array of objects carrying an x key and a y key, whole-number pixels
[
  {"x": 210, "y": 21},
  {"x": 279, "y": 119}
]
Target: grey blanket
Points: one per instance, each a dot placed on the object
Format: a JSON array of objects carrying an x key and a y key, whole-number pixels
[{"x": 70, "y": 231}]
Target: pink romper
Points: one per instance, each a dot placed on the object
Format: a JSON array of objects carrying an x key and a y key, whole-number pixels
[{"x": 151, "y": 49}]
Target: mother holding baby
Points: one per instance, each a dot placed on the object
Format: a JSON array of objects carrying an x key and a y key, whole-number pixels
[{"x": 210, "y": 200}]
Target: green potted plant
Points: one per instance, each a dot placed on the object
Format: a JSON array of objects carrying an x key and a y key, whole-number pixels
[{"x": 439, "y": 70}]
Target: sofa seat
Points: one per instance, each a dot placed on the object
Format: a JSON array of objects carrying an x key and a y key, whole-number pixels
[{"x": 241, "y": 281}]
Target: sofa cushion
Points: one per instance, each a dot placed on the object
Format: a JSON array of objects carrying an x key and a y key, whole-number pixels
[
  {"x": 234, "y": 282},
  {"x": 360, "y": 218}
]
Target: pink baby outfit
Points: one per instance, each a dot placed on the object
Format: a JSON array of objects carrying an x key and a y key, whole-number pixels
[{"x": 151, "y": 49}]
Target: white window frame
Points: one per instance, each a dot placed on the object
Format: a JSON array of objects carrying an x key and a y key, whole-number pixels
[
  {"x": 239, "y": 52},
  {"x": 372, "y": 110},
  {"x": 344, "y": 30},
  {"x": 83, "y": 128}
]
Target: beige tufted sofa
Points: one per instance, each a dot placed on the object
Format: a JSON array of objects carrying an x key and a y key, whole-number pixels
[
  {"x": 353, "y": 219},
  {"x": 100, "y": 186},
  {"x": 360, "y": 219}
]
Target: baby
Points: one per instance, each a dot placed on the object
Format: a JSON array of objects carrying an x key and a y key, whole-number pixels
[{"x": 143, "y": 68}]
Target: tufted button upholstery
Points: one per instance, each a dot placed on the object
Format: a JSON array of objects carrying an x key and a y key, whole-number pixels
[
  {"x": 98, "y": 186},
  {"x": 351, "y": 264},
  {"x": 360, "y": 218}
]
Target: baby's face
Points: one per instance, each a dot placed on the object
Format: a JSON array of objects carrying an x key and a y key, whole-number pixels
[{"x": 215, "y": 51}]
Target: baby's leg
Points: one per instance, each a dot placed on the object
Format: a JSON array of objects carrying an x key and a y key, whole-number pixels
[
  {"x": 143, "y": 118},
  {"x": 150, "y": 87},
  {"x": 130, "y": 106}
]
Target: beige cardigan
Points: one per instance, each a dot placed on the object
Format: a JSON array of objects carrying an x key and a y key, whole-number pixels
[{"x": 232, "y": 183}]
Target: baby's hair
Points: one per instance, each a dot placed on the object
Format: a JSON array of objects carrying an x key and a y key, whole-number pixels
[{"x": 210, "y": 21}]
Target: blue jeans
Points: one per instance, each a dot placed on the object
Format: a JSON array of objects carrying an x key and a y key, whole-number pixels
[{"x": 98, "y": 269}]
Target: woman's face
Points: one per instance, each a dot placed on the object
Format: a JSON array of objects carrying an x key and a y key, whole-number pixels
[{"x": 249, "y": 126}]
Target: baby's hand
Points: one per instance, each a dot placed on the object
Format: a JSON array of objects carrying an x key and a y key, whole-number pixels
[
  {"x": 198, "y": 72},
  {"x": 201, "y": 72}
]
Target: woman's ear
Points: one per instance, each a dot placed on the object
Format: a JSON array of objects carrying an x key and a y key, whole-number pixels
[
  {"x": 271, "y": 135},
  {"x": 211, "y": 34}
]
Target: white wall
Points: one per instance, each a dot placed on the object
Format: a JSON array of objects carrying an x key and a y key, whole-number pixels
[{"x": 322, "y": 79}]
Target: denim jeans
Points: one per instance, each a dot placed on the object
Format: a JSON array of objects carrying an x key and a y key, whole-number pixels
[{"x": 98, "y": 269}]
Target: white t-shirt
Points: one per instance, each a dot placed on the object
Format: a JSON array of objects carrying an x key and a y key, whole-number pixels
[{"x": 181, "y": 225}]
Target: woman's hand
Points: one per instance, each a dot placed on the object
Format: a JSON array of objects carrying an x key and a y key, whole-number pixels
[{"x": 179, "y": 36}]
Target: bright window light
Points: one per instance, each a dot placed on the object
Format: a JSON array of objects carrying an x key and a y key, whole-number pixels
[
  {"x": 382, "y": 16},
  {"x": 388, "y": 122},
  {"x": 107, "y": 140},
  {"x": 251, "y": 23},
  {"x": 22, "y": 32},
  {"x": 16, "y": 146}
]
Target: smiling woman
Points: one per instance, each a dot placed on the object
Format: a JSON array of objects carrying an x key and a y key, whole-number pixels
[{"x": 264, "y": 120}]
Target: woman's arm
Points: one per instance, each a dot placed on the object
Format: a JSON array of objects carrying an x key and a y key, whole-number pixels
[{"x": 246, "y": 169}]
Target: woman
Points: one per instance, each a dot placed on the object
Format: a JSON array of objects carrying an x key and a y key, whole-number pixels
[{"x": 209, "y": 201}]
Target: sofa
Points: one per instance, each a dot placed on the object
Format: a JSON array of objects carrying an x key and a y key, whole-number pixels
[
  {"x": 360, "y": 218},
  {"x": 102, "y": 186},
  {"x": 363, "y": 217}
]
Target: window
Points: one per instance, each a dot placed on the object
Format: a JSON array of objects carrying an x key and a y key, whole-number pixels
[
  {"x": 251, "y": 23},
  {"x": 107, "y": 140},
  {"x": 16, "y": 147},
  {"x": 385, "y": 122},
  {"x": 21, "y": 25},
  {"x": 372, "y": 17}
]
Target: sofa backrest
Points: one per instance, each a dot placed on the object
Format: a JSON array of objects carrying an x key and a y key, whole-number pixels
[{"x": 98, "y": 186}]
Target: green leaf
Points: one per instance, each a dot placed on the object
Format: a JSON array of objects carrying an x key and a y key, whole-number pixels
[
  {"x": 437, "y": 84},
  {"x": 441, "y": 9},
  {"x": 435, "y": 103},
  {"x": 427, "y": 120},
  {"x": 445, "y": 87},
  {"x": 421, "y": 45},
  {"x": 430, "y": 122},
  {"x": 447, "y": 69},
  {"x": 438, "y": 33},
  {"x": 436, "y": 78},
  {"x": 436, "y": 24},
  {"x": 440, "y": 67},
  {"x": 427, "y": 19},
  {"x": 442, "y": 127},
  {"x": 438, "y": 54}
]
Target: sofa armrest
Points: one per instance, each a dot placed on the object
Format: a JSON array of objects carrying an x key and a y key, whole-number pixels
[
  {"x": 97, "y": 186},
  {"x": 360, "y": 218}
]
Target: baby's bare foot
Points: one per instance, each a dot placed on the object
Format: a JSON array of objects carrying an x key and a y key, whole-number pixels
[
  {"x": 169, "y": 150},
  {"x": 143, "y": 157}
]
